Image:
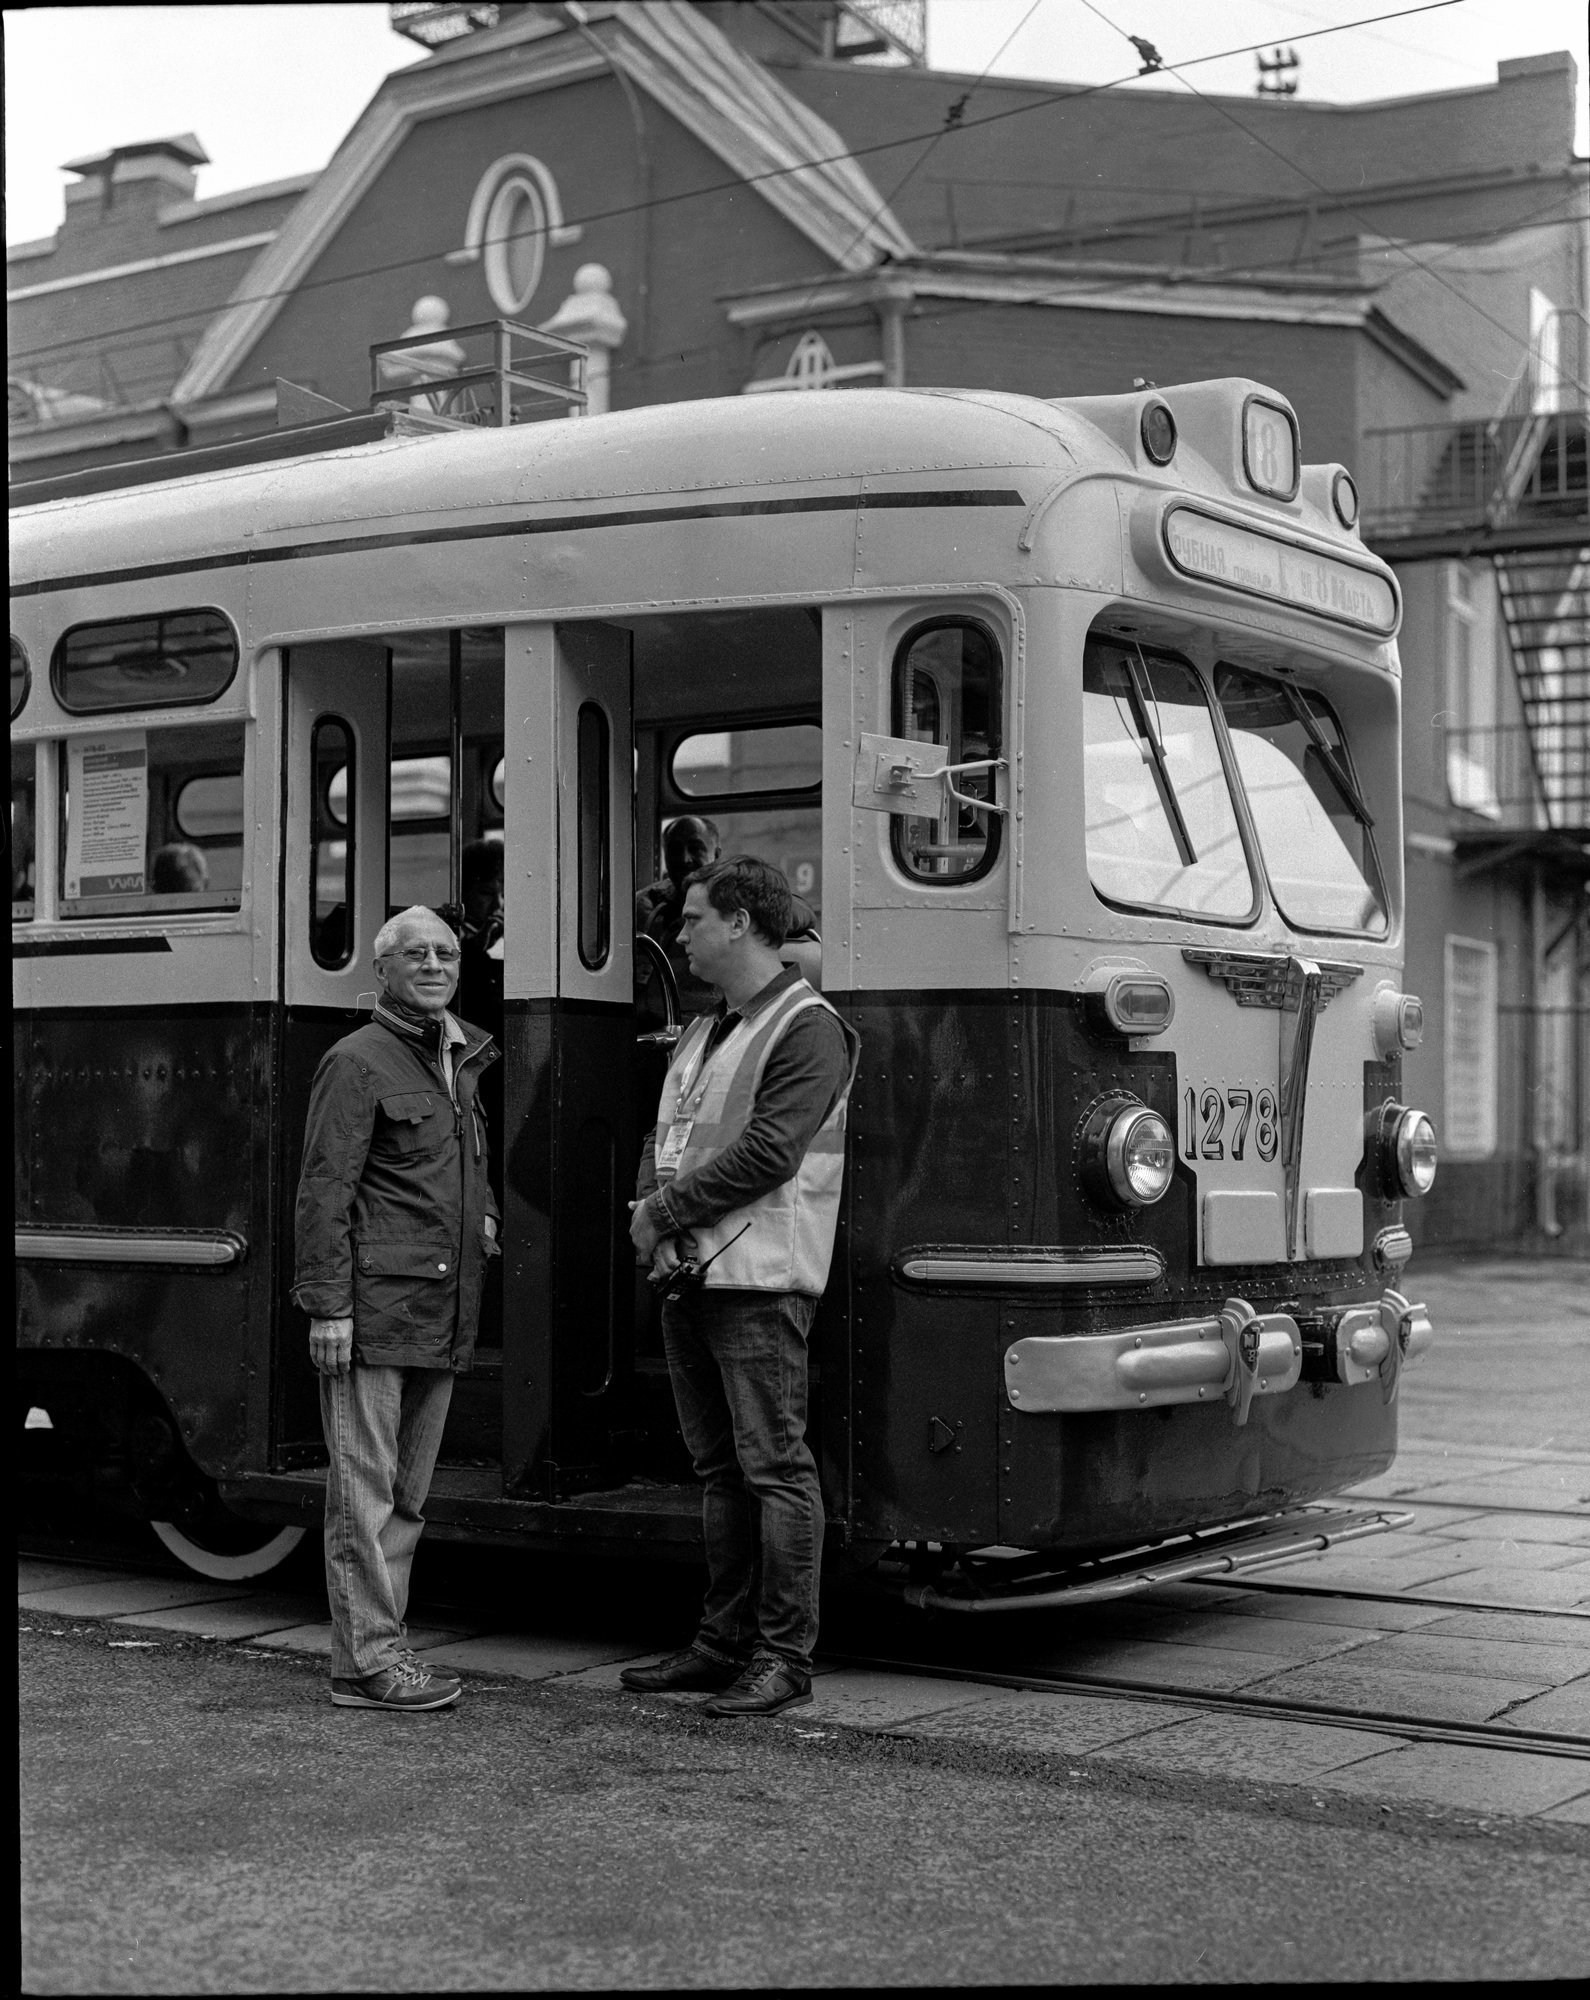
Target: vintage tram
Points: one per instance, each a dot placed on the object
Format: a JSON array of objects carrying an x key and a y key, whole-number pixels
[{"x": 1076, "y": 721}]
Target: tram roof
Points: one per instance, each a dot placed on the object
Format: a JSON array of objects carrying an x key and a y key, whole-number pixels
[{"x": 725, "y": 444}]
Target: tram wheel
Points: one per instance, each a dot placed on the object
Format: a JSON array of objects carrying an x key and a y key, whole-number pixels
[{"x": 227, "y": 1549}]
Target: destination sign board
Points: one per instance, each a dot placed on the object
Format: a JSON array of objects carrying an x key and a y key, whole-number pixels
[{"x": 1220, "y": 551}]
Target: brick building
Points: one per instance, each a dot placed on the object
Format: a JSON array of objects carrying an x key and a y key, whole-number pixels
[{"x": 781, "y": 198}]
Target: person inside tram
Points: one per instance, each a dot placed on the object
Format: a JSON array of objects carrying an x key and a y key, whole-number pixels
[
  {"x": 690, "y": 844},
  {"x": 178, "y": 869},
  {"x": 480, "y": 935}
]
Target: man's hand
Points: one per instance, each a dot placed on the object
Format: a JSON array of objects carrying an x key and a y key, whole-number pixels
[
  {"x": 331, "y": 1345},
  {"x": 666, "y": 1258},
  {"x": 643, "y": 1232}
]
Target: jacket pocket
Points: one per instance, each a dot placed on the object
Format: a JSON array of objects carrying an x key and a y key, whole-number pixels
[
  {"x": 403, "y": 1291},
  {"x": 411, "y": 1122}
]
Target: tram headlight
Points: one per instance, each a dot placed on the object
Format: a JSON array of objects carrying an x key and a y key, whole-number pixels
[
  {"x": 1128, "y": 1153},
  {"x": 1413, "y": 1153}
]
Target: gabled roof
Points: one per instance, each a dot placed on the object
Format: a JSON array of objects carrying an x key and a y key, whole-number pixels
[{"x": 795, "y": 160}]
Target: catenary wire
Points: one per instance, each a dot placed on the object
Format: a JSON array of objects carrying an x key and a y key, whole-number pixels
[{"x": 1302, "y": 173}]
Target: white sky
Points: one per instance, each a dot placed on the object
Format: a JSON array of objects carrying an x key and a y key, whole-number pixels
[{"x": 271, "y": 90}]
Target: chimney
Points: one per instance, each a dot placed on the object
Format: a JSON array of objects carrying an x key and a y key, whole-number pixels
[{"x": 134, "y": 182}]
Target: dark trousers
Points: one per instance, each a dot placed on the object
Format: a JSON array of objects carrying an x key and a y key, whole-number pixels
[{"x": 738, "y": 1364}]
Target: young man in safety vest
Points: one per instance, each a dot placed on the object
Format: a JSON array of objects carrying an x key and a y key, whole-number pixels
[{"x": 740, "y": 1180}]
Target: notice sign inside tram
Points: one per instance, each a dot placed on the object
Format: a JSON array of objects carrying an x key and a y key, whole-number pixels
[
  {"x": 108, "y": 821},
  {"x": 1222, "y": 552}
]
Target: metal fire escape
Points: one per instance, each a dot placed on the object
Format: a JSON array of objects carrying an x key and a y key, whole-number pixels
[{"x": 1514, "y": 487}]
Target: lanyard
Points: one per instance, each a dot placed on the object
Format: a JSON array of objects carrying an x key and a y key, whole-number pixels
[{"x": 697, "y": 1075}]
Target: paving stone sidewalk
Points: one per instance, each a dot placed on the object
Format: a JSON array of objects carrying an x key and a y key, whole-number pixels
[{"x": 1533, "y": 1671}]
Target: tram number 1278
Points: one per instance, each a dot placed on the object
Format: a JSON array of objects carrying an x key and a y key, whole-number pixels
[{"x": 1215, "y": 1120}]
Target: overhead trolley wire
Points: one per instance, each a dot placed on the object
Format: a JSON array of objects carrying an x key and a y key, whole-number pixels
[
  {"x": 1047, "y": 100},
  {"x": 1319, "y": 186}
]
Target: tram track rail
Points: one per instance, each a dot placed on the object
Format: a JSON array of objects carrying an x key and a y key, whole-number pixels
[{"x": 1378, "y": 1722}]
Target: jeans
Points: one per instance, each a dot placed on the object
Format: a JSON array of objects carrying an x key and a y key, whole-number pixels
[
  {"x": 738, "y": 1364},
  {"x": 383, "y": 1431}
]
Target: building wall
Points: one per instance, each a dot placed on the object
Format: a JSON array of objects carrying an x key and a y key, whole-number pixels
[
  {"x": 725, "y": 238},
  {"x": 1450, "y": 895}
]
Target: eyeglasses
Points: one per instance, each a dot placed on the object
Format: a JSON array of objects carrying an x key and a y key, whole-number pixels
[{"x": 416, "y": 954}]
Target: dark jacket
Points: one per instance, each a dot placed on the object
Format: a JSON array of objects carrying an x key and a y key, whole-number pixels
[{"x": 393, "y": 1196}]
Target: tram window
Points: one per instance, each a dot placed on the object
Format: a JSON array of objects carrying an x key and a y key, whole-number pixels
[
  {"x": 594, "y": 888},
  {"x": 1315, "y": 832},
  {"x": 774, "y": 757},
  {"x": 21, "y": 831},
  {"x": 21, "y": 676},
  {"x": 499, "y": 784},
  {"x": 168, "y": 660},
  {"x": 947, "y": 690},
  {"x": 331, "y": 930},
  {"x": 1161, "y": 826},
  {"x": 124, "y": 848}
]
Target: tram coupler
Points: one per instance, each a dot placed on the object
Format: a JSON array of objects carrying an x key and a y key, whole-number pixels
[{"x": 1369, "y": 1343}]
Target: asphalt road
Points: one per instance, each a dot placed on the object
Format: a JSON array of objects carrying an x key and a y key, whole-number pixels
[{"x": 197, "y": 1818}]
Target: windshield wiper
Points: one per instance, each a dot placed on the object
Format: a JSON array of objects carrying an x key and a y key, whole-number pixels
[
  {"x": 1142, "y": 703},
  {"x": 1339, "y": 774}
]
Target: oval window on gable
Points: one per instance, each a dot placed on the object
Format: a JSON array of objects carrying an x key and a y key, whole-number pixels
[
  {"x": 169, "y": 659},
  {"x": 516, "y": 243}
]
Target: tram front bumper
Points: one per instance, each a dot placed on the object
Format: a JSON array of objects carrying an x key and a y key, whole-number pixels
[{"x": 1237, "y": 1355}]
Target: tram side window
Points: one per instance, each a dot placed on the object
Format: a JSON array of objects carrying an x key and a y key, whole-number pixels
[
  {"x": 21, "y": 831},
  {"x": 152, "y": 821},
  {"x": 1162, "y": 830},
  {"x": 595, "y": 883},
  {"x": 331, "y": 937},
  {"x": 1315, "y": 831},
  {"x": 166, "y": 660},
  {"x": 21, "y": 676},
  {"x": 947, "y": 691}
]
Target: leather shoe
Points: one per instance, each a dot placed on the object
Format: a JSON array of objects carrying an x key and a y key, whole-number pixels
[
  {"x": 766, "y": 1686},
  {"x": 681, "y": 1673}
]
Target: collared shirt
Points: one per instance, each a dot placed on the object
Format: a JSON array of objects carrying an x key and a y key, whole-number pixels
[{"x": 804, "y": 1074}]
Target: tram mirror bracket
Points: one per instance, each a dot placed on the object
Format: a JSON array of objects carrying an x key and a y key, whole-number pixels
[{"x": 898, "y": 774}]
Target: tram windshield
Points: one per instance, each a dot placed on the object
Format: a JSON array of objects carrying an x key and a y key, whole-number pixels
[
  {"x": 1162, "y": 828},
  {"x": 1315, "y": 832}
]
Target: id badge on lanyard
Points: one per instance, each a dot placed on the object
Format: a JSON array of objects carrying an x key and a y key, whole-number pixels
[{"x": 672, "y": 1149}]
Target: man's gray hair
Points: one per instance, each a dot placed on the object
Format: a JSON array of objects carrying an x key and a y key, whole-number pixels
[{"x": 389, "y": 937}]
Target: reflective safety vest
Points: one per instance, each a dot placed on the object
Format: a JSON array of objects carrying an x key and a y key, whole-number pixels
[{"x": 789, "y": 1242}]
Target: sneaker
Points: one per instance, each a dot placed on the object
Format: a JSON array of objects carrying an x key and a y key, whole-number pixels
[
  {"x": 410, "y": 1686},
  {"x": 682, "y": 1673},
  {"x": 766, "y": 1686},
  {"x": 444, "y": 1676}
]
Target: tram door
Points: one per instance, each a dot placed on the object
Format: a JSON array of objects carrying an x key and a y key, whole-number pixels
[
  {"x": 569, "y": 1035},
  {"x": 335, "y": 902}
]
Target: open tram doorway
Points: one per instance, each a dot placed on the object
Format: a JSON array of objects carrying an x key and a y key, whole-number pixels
[{"x": 562, "y": 752}]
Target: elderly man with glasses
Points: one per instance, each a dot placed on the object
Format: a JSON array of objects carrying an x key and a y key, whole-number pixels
[{"x": 395, "y": 1225}]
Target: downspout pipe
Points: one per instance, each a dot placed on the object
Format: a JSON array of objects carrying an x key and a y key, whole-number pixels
[{"x": 1540, "y": 1027}]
